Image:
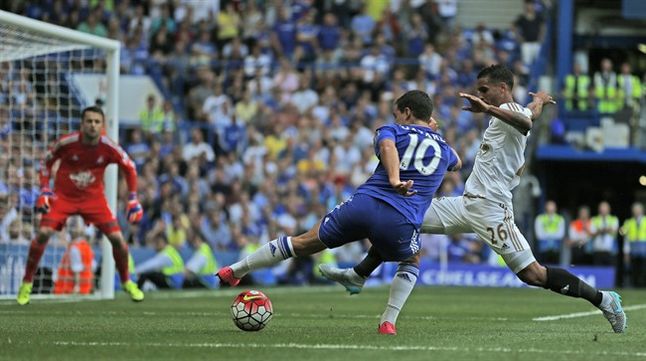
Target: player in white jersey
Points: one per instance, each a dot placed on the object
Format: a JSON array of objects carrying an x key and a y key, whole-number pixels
[{"x": 486, "y": 206}]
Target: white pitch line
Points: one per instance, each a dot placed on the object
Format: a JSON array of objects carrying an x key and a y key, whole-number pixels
[
  {"x": 584, "y": 314},
  {"x": 181, "y": 295},
  {"x": 343, "y": 347},
  {"x": 221, "y": 313}
]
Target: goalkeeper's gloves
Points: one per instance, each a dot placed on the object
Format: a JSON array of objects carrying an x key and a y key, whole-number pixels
[
  {"x": 134, "y": 210},
  {"x": 43, "y": 201}
]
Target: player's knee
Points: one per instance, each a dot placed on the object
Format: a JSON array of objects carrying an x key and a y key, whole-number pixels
[
  {"x": 534, "y": 275},
  {"x": 116, "y": 238},
  {"x": 414, "y": 259}
]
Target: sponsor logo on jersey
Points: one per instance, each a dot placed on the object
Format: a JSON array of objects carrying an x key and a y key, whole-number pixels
[
  {"x": 75, "y": 157},
  {"x": 100, "y": 160},
  {"x": 82, "y": 179},
  {"x": 272, "y": 248}
]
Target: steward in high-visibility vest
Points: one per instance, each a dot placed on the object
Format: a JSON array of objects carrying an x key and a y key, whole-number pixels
[
  {"x": 629, "y": 88},
  {"x": 165, "y": 269},
  {"x": 634, "y": 232},
  {"x": 75, "y": 274},
  {"x": 577, "y": 90},
  {"x": 604, "y": 228},
  {"x": 605, "y": 88},
  {"x": 202, "y": 266},
  {"x": 175, "y": 271},
  {"x": 550, "y": 232}
]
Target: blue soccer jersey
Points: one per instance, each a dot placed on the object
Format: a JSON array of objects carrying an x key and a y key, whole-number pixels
[{"x": 424, "y": 158}]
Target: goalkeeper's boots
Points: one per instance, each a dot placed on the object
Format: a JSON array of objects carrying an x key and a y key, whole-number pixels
[
  {"x": 135, "y": 293},
  {"x": 387, "y": 328},
  {"x": 352, "y": 282},
  {"x": 226, "y": 276},
  {"x": 23, "y": 293},
  {"x": 612, "y": 310}
]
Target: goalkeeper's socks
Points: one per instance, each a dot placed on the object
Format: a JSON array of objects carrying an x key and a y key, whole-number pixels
[
  {"x": 268, "y": 255},
  {"x": 120, "y": 255},
  {"x": 400, "y": 289},
  {"x": 565, "y": 283},
  {"x": 36, "y": 251}
]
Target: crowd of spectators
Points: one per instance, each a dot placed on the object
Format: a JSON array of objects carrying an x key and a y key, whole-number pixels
[{"x": 271, "y": 107}]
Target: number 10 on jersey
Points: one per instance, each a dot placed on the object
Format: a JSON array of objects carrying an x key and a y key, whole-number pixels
[{"x": 416, "y": 154}]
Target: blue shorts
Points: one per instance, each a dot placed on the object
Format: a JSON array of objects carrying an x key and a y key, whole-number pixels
[{"x": 362, "y": 216}]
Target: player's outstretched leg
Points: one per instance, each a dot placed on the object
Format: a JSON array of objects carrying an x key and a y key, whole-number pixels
[
  {"x": 563, "y": 282},
  {"x": 271, "y": 254},
  {"x": 36, "y": 250},
  {"x": 120, "y": 254},
  {"x": 268, "y": 255},
  {"x": 353, "y": 278},
  {"x": 400, "y": 289}
]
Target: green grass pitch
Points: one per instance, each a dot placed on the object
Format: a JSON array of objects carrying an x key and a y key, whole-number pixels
[{"x": 324, "y": 323}]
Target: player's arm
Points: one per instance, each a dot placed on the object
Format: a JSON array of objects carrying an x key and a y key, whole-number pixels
[
  {"x": 538, "y": 100},
  {"x": 134, "y": 211},
  {"x": 458, "y": 162},
  {"x": 517, "y": 120},
  {"x": 389, "y": 156},
  {"x": 53, "y": 154}
]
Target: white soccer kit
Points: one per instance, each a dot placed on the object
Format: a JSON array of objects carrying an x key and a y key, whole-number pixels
[{"x": 486, "y": 206}]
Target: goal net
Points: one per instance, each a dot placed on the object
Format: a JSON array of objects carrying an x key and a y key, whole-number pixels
[{"x": 40, "y": 101}]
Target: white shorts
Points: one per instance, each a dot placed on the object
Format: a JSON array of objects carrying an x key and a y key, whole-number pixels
[{"x": 493, "y": 222}]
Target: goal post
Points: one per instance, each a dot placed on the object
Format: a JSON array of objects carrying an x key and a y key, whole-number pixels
[{"x": 38, "y": 64}]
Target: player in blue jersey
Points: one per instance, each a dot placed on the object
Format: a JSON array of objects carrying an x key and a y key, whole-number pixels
[{"x": 385, "y": 209}]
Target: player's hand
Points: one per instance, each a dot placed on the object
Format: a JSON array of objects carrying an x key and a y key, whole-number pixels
[
  {"x": 543, "y": 97},
  {"x": 476, "y": 105},
  {"x": 404, "y": 188},
  {"x": 43, "y": 201},
  {"x": 134, "y": 212}
]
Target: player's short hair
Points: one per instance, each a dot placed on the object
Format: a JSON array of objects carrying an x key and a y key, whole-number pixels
[
  {"x": 498, "y": 73},
  {"x": 94, "y": 109},
  {"x": 419, "y": 103}
]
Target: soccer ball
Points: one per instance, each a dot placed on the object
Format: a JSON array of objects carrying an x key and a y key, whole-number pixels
[{"x": 251, "y": 310}]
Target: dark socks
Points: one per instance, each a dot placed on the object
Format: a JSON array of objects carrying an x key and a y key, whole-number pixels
[
  {"x": 565, "y": 283},
  {"x": 369, "y": 263}
]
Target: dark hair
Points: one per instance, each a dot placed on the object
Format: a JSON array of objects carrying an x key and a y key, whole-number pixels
[
  {"x": 419, "y": 103},
  {"x": 94, "y": 109},
  {"x": 498, "y": 73}
]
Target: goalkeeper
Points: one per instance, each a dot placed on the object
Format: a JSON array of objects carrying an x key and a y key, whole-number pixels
[{"x": 79, "y": 160}]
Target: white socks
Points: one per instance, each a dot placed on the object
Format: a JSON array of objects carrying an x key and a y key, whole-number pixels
[
  {"x": 268, "y": 255},
  {"x": 400, "y": 289}
]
